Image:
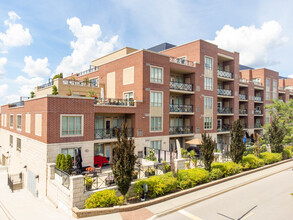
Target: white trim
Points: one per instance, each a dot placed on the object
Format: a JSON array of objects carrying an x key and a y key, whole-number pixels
[
  {"x": 10, "y": 121},
  {"x": 73, "y": 115},
  {"x": 19, "y": 129},
  {"x": 25, "y": 126},
  {"x": 159, "y": 67},
  {"x": 36, "y": 133}
]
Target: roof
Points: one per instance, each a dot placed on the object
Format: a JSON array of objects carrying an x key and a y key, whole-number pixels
[
  {"x": 242, "y": 67},
  {"x": 161, "y": 47}
]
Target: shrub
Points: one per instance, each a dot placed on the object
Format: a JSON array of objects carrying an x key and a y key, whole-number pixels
[
  {"x": 237, "y": 146},
  {"x": 62, "y": 162},
  {"x": 68, "y": 163},
  {"x": 263, "y": 148},
  {"x": 58, "y": 161},
  {"x": 157, "y": 185},
  {"x": 216, "y": 174},
  {"x": 270, "y": 157},
  {"x": 289, "y": 148},
  {"x": 192, "y": 177},
  {"x": 54, "y": 90},
  {"x": 207, "y": 148},
  {"x": 105, "y": 198},
  {"x": 249, "y": 150},
  {"x": 286, "y": 154},
  {"x": 251, "y": 161},
  {"x": 228, "y": 168}
]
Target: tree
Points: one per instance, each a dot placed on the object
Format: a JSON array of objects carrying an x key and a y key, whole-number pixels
[
  {"x": 54, "y": 90},
  {"x": 208, "y": 145},
  {"x": 57, "y": 76},
  {"x": 62, "y": 162},
  {"x": 68, "y": 163},
  {"x": 86, "y": 80},
  {"x": 276, "y": 133},
  {"x": 58, "y": 161},
  {"x": 123, "y": 160},
  {"x": 237, "y": 147},
  {"x": 32, "y": 94}
]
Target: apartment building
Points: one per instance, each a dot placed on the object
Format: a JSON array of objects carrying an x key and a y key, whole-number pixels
[{"x": 164, "y": 94}]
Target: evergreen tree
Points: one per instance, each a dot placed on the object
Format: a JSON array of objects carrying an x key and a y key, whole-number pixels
[
  {"x": 208, "y": 145},
  {"x": 68, "y": 163},
  {"x": 237, "y": 147},
  {"x": 32, "y": 94},
  {"x": 123, "y": 160},
  {"x": 58, "y": 161},
  {"x": 62, "y": 162},
  {"x": 276, "y": 133},
  {"x": 54, "y": 90}
]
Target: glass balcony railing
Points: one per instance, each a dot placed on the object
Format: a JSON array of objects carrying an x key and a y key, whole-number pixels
[
  {"x": 110, "y": 133},
  {"x": 257, "y": 99},
  {"x": 257, "y": 112},
  {"x": 224, "y": 127},
  {"x": 181, "y": 86},
  {"x": 242, "y": 111},
  {"x": 225, "y": 110},
  {"x": 225, "y": 74},
  {"x": 225, "y": 92},
  {"x": 120, "y": 102},
  {"x": 182, "y": 61},
  {"x": 181, "y": 108},
  {"x": 242, "y": 97},
  {"x": 180, "y": 130}
]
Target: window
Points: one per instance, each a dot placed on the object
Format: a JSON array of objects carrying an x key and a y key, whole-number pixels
[
  {"x": 208, "y": 73},
  {"x": 208, "y": 123},
  {"x": 71, "y": 152},
  {"x": 208, "y": 102},
  {"x": 28, "y": 123},
  {"x": 268, "y": 88},
  {"x": 268, "y": 118},
  {"x": 38, "y": 124},
  {"x": 156, "y": 123},
  {"x": 94, "y": 82},
  {"x": 18, "y": 144},
  {"x": 128, "y": 95},
  {"x": 156, "y": 98},
  {"x": 10, "y": 140},
  {"x": 157, "y": 145},
  {"x": 11, "y": 121},
  {"x": 275, "y": 84},
  {"x": 72, "y": 125},
  {"x": 156, "y": 74},
  {"x": 18, "y": 124}
]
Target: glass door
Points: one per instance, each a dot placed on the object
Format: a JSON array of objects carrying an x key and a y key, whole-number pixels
[
  {"x": 107, "y": 127},
  {"x": 108, "y": 152}
]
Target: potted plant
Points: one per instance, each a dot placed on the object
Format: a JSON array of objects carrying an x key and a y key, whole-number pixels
[
  {"x": 187, "y": 165},
  {"x": 150, "y": 172},
  {"x": 109, "y": 180},
  {"x": 151, "y": 156},
  {"x": 192, "y": 156},
  {"x": 134, "y": 175},
  {"x": 166, "y": 167},
  {"x": 88, "y": 182}
]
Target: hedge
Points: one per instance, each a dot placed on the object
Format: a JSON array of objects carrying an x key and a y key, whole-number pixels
[
  {"x": 251, "y": 161},
  {"x": 271, "y": 157},
  {"x": 192, "y": 177},
  {"x": 227, "y": 168}
]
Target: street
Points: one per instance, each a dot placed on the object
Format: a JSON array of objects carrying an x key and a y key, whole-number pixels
[{"x": 269, "y": 199}]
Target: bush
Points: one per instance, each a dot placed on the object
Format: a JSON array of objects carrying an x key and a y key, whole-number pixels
[
  {"x": 263, "y": 148},
  {"x": 105, "y": 198},
  {"x": 228, "y": 168},
  {"x": 192, "y": 177},
  {"x": 289, "y": 148},
  {"x": 68, "y": 163},
  {"x": 58, "y": 161},
  {"x": 251, "y": 161},
  {"x": 270, "y": 157},
  {"x": 216, "y": 174},
  {"x": 286, "y": 154},
  {"x": 249, "y": 150},
  {"x": 157, "y": 185}
]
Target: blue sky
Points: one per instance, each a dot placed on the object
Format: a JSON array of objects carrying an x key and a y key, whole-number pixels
[{"x": 40, "y": 38}]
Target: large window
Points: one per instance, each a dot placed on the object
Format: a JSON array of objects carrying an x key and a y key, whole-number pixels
[
  {"x": 71, "y": 151},
  {"x": 157, "y": 145},
  {"x": 18, "y": 144},
  {"x": 11, "y": 121},
  {"x": 72, "y": 125},
  {"x": 208, "y": 102},
  {"x": 156, "y": 74},
  {"x": 208, "y": 122},
  {"x": 268, "y": 88},
  {"x": 156, "y": 98},
  {"x": 10, "y": 140},
  {"x": 156, "y": 123},
  {"x": 128, "y": 95},
  {"x": 94, "y": 82},
  {"x": 275, "y": 85},
  {"x": 208, "y": 73},
  {"x": 18, "y": 124}
]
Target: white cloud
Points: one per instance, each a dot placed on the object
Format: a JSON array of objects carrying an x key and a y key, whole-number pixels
[
  {"x": 3, "y": 61},
  {"x": 3, "y": 89},
  {"x": 11, "y": 98},
  {"x": 27, "y": 85},
  {"x": 86, "y": 47},
  {"x": 16, "y": 35},
  {"x": 35, "y": 68},
  {"x": 253, "y": 44}
]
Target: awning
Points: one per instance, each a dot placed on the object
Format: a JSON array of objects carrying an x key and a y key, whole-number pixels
[{"x": 195, "y": 141}]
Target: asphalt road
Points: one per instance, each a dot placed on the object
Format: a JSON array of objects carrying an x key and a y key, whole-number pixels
[{"x": 268, "y": 199}]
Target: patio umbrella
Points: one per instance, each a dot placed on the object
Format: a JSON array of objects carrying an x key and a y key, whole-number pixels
[
  {"x": 79, "y": 161},
  {"x": 178, "y": 149},
  {"x": 195, "y": 141}
]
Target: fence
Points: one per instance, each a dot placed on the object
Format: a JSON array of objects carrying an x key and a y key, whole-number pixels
[
  {"x": 62, "y": 177},
  {"x": 15, "y": 181},
  {"x": 160, "y": 155}
]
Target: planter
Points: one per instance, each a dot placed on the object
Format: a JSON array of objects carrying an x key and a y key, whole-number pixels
[
  {"x": 187, "y": 166},
  {"x": 150, "y": 173},
  {"x": 134, "y": 177},
  {"x": 109, "y": 182},
  {"x": 166, "y": 170},
  {"x": 88, "y": 187}
]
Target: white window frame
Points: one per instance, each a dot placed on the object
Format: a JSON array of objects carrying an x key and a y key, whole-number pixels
[
  {"x": 19, "y": 129},
  {"x": 18, "y": 148},
  {"x": 211, "y": 123},
  {"x": 156, "y": 141},
  {"x": 128, "y": 92},
  {"x": 153, "y": 91},
  {"x": 10, "y": 140},
  {"x": 95, "y": 78},
  {"x": 152, "y": 66},
  {"x": 12, "y": 121},
  {"x": 151, "y": 123},
  {"x": 72, "y": 115},
  {"x": 207, "y": 76}
]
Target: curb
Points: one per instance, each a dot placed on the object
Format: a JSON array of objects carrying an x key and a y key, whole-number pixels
[{"x": 80, "y": 213}]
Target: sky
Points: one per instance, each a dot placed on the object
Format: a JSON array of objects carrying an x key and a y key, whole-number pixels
[{"x": 41, "y": 38}]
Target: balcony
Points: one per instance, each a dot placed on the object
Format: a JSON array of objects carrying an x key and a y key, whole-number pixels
[
  {"x": 225, "y": 74},
  {"x": 90, "y": 70},
  {"x": 19, "y": 103},
  {"x": 182, "y": 61},
  {"x": 242, "y": 97},
  {"x": 257, "y": 125},
  {"x": 115, "y": 102},
  {"x": 180, "y": 130},
  {"x": 257, "y": 112},
  {"x": 257, "y": 83},
  {"x": 225, "y": 92},
  {"x": 242, "y": 112},
  {"x": 181, "y": 108},
  {"x": 78, "y": 83},
  {"x": 242, "y": 80},
  {"x": 225, "y": 110},
  {"x": 257, "y": 99},
  {"x": 181, "y": 86},
  {"x": 224, "y": 128},
  {"x": 110, "y": 133}
]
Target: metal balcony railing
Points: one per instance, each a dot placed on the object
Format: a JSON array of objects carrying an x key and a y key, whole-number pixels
[
  {"x": 257, "y": 125},
  {"x": 242, "y": 111},
  {"x": 225, "y": 110},
  {"x": 257, "y": 112},
  {"x": 182, "y": 61},
  {"x": 257, "y": 83},
  {"x": 242, "y": 80},
  {"x": 257, "y": 99},
  {"x": 90, "y": 70},
  {"x": 50, "y": 83},
  {"x": 120, "y": 102},
  {"x": 78, "y": 83},
  {"x": 181, "y": 86},
  {"x": 242, "y": 97},
  {"x": 225, "y": 92},
  {"x": 181, "y": 108},
  {"x": 110, "y": 133},
  {"x": 180, "y": 130},
  {"x": 225, "y": 127},
  {"x": 225, "y": 74}
]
